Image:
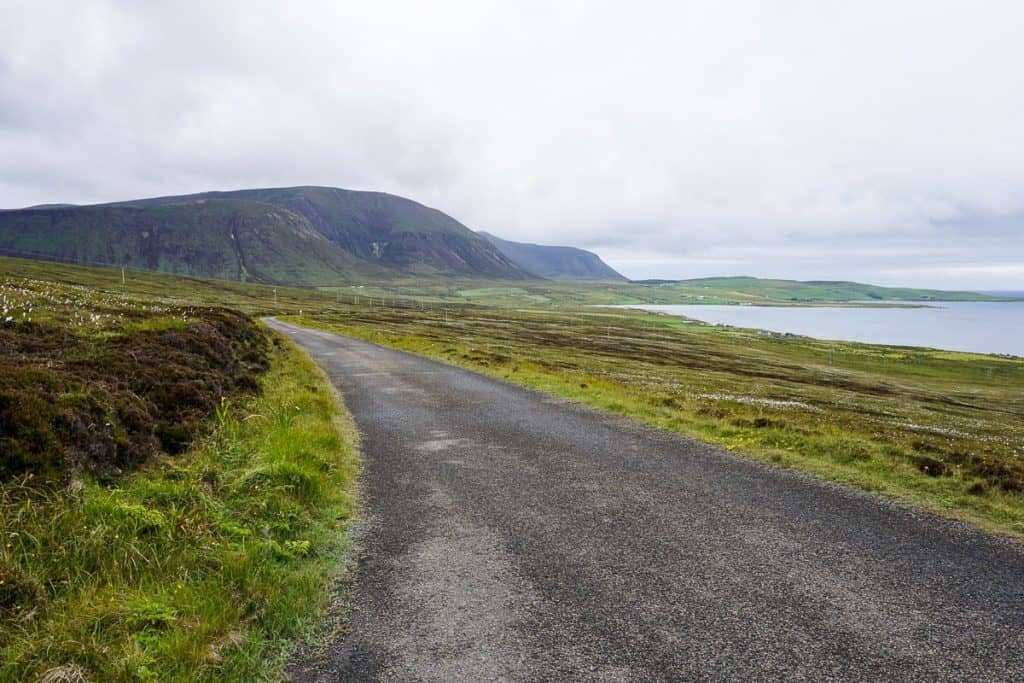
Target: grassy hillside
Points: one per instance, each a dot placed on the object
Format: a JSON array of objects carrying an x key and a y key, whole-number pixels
[
  {"x": 757, "y": 290},
  {"x": 556, "y": 263},
  {"x": 299, "y": 236},
  {"x": 230, "y": 240},
  {"x": 717, "y": 291},
  {"x": 380, "y": 228}
]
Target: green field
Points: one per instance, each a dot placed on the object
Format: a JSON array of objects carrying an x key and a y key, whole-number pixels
[
  {"x": 738, "y": 290},
  {"x": 546, "y": 293}
]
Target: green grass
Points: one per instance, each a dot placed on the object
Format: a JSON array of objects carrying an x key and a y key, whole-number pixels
[
  {"x": 120, "y": 562},
  {"x": 255, "y": 298},
  {"x": 773, "y": 291},
  {"x": 550, "y": 293},
  {"x": 205, "y": 565},
  {"x": 942, "y": 430},
  {"x": 70, "y": 290}
]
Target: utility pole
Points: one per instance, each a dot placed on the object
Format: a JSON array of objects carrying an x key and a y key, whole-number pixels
[
  {"x": 122, "y": 276},
  {"x": 275, "y": 296}
]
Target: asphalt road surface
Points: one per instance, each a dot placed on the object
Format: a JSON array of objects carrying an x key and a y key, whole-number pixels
[{"x": 508, "y": 535}]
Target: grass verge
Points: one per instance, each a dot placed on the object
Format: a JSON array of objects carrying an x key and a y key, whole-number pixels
[
  {"x": 938, "y": 429},
  {"x": 206, "y": 565}
]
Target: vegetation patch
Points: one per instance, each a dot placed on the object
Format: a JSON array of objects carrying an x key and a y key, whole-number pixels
[
  {"x": 205, "y": 565},
  {"x": 105, "y": 402},
  {"x": 176, "y": 483}
]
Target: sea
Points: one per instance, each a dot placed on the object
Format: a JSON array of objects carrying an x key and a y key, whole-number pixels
[{"x": 979, "y": 327}]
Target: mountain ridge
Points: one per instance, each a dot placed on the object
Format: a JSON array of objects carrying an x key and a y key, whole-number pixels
[
  {"x": 554, "y": 261},
  {"x": 296, "y": 235}
]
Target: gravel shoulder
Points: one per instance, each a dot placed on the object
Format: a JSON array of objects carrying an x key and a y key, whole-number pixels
[{"x": 508, "y": 535}]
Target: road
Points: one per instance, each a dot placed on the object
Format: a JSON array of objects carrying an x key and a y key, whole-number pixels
[{"x": 508, "y": 535}]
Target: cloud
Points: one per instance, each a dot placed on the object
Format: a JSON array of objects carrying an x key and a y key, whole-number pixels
[{"x": 679, "y": 129}]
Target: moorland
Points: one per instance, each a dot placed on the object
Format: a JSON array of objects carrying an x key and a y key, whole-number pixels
[{"x": 179, "y": 495}]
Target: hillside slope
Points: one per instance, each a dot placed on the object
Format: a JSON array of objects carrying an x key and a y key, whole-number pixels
[
  {"x": 380, "y": 228},
  {"x": 756, "y": 290},
  {"x": 228, "y": 240},
  {"x": 300, "y": 235},
  {"x": 557, "y": 263}
]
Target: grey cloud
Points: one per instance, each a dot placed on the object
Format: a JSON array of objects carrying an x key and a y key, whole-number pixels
[{"x": 684, "y": 130}]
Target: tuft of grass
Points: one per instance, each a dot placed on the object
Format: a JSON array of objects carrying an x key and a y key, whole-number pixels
[{"x": 205, "y": 565}]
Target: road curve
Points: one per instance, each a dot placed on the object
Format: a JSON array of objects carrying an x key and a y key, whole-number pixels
[{"x": 509, "y": 535}]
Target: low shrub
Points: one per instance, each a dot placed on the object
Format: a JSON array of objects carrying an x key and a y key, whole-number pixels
[{"x": 107, "y": 404}]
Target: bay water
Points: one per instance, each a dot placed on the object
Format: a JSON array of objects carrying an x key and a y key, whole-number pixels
[{"x": 980, "y": 327}]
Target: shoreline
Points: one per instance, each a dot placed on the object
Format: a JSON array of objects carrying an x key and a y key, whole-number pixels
[{"x": 797, "y": 331}]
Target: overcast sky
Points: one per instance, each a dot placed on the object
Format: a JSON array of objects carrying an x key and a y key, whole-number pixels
[{"x": 878, "y": 141}]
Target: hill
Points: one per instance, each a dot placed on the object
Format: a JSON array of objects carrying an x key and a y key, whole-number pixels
[
  {"x": 300, "y": 235},
  {"x": 760, "y": 290},
  {"x": 224, "y": 240},
  {"x": 557, "y": 263},
  {"x": 379, "y": 228},
  {"x": 731, "y": 290}
]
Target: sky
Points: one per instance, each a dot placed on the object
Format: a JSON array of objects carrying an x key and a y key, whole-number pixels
[{"x": 873, "y": 141}]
